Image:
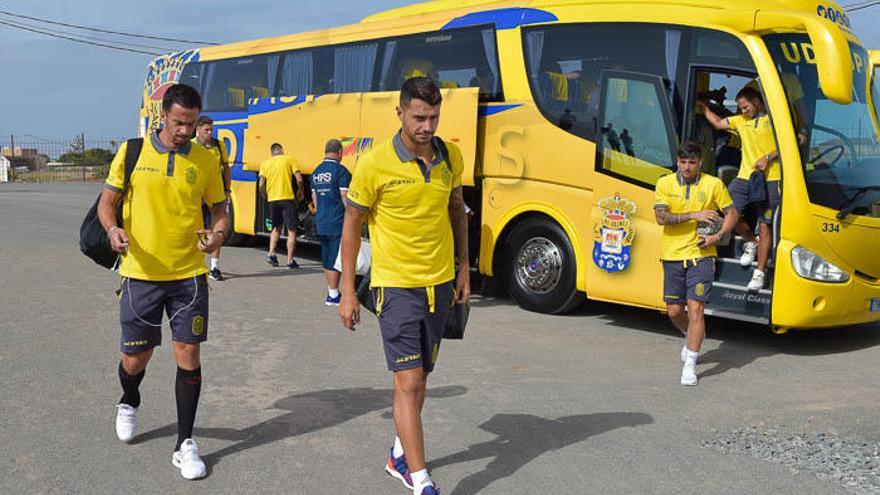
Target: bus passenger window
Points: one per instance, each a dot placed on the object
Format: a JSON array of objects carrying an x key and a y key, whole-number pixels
[
  {"x": 455, "y": 59},
  {"x": 230, "y": 84},
  {"x": 297, "y": 73},
  {"x": 565, "y": 63},
  {"x": 353, "y": 67}
]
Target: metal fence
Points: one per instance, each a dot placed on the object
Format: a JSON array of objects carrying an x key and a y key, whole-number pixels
[{"x": 28, "y": 158}]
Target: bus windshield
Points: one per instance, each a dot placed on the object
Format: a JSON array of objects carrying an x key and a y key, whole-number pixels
[{"x": 838, "y": 143}]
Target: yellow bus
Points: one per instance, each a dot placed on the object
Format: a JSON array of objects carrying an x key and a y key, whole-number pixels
[{"x": 567, "y": 113}]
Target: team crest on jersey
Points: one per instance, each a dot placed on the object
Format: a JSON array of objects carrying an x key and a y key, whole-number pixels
[
  {"x": 614, "y": 233},
  {"x": 447, "y": 177},
  {"x": 191, "y": 175}
]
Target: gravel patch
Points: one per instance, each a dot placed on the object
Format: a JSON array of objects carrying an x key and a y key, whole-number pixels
[{"x": 853, "y": 464}]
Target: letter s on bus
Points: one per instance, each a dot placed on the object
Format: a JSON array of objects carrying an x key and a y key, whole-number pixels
[{"x": 512, "y": 155}]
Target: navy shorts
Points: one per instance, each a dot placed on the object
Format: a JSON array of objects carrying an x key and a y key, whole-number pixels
[
  {"x": 411, "y": 332},
  {"x": 688, "y": 280},
  {"x": 774, "y": 198},
  {"x": 144, "y": 304},
  {"x": 283, "y": 213},
  {"x": 329, "y": 250},
  {"x": 739, "y": 193}
]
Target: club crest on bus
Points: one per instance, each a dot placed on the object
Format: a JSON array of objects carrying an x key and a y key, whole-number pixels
[
  {"x": 614, "y": 232},
  {"x": 162, "y": 73}
]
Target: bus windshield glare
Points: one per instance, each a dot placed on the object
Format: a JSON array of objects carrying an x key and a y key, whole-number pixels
[{"x": 838, "y": 144}]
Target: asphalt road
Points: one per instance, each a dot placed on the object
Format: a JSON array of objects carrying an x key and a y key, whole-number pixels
[{"x": 292, "y": 403}]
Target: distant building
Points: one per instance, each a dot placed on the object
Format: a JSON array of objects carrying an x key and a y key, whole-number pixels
[{"x": 19, "y": 152}]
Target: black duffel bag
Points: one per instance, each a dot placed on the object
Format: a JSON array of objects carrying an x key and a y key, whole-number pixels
[
  {"x": 93, "y": 240},
  {"x": 456, "y": 322}
]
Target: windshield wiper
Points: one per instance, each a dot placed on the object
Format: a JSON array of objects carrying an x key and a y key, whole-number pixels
[{"x": 849, "y": 205}]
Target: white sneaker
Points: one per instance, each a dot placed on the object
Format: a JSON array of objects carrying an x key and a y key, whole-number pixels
[
  {"x": 126, "y": 422},
  {"x": 757, "y": 281},
  {"x": 748, "y": 256},
  {"x": 689, "y": 373},
  {"x": 187, "y": 459}
]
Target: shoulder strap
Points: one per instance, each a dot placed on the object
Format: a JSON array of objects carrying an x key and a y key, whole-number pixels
[
  {"x": 441, "y": 145},
  {"x": 132, "y": 154}
]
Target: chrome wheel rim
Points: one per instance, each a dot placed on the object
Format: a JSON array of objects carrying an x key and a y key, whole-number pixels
[{"x": 538, "y": 265}]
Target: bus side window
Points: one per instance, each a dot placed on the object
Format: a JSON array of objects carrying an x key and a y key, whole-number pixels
[
  {"x": 353, "y": 67},
  {"x": 455, "y": 59},
  {"x": 636, "y": 127}
]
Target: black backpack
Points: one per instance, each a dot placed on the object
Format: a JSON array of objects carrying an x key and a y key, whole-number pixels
[{"x": 93, "y": 240}]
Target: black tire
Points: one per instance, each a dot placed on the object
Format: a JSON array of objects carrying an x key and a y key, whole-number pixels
[
  {"x": 233, "y": 238},
  {"x": 540, "y": 268}
]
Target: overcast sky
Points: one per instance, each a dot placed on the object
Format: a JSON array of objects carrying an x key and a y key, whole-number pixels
[{"x": 57, "y": 88}]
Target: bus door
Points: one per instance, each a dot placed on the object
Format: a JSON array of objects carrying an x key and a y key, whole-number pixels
[
  {"x": 635, "y": 147},
  {"x": 302, "y": 124},
  {"x": 722, "y": 156}
]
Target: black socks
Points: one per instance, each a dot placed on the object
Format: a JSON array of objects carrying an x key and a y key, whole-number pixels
[
  {"x": 130, "y": 383},
  {"x": 187, "y": 388}
]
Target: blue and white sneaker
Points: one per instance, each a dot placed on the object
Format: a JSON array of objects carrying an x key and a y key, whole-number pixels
[
  {"x": 333, "y": 301},
  {"x": 398, "y": 468},
  {"x": 430, "y": 490}
]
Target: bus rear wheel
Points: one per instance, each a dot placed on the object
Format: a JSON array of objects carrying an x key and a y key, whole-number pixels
[
  {"x": 540, "y": 267},
  {"x": 233, "y": 238}
]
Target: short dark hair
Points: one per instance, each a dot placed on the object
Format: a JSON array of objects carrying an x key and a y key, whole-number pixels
[
  {"x": 420, "y": 88},
  {"x": 750, "y": 94},
  {"x": 333, "y": 146},
  {"x": 183, "y": 95},
  {"x": 204, "y": 120},
  {"x": 276, "y": 149},
  {"x": 688, "y": 150}
]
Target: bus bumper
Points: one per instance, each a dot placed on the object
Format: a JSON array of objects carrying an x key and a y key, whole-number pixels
[{"x": 802, "y": 303}]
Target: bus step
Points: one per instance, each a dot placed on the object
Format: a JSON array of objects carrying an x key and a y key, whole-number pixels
[
  {"x": 729, "y": 271},
  {"x": 737, "y": 302}
]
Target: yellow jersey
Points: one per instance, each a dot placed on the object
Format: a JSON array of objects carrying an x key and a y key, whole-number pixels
[
  {"x": 757, "y": 140},
  {"x": 278, "y": 172},
  {"x": 408, "y": 213},
  {"x": 163, "y": 209},
  {"x": 706, "y": 193}
]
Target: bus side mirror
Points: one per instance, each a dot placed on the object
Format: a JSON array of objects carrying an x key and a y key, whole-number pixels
[
  {"x": 829, "y": 44},
  {"x": 834, "y": 60}
]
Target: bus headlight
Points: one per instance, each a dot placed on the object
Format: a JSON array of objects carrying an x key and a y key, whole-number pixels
[{"x": 811, "y": 266}]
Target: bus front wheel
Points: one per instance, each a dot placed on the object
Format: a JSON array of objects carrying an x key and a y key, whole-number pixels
[{"x": 540, "y": 267}]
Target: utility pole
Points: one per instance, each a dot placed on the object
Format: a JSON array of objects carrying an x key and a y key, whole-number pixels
[
  {"x": 12, "y": 154},
  {"x": 82, "y": 136}
]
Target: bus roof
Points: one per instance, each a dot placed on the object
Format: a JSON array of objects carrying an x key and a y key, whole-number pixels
[
  {"x": 437, "y": 6},
  {"x": 436, "y": 14}
]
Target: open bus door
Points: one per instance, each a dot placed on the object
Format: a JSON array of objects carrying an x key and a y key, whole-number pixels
[
  {"x": 303, "y": 124},
  {"x": 636, "y": 146}
]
